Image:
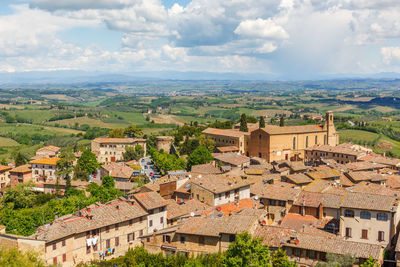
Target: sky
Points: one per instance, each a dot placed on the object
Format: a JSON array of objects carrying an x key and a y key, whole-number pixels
[{"x": 282, "y": 38}]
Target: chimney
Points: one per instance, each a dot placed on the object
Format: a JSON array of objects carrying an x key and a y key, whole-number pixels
[
  {"x": 117, "y": 207},
  {"x": 304, "y": 228}
]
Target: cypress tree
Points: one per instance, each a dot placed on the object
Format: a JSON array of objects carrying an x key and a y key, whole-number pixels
[
  {"x": 262, "y": 122},
  {"x": 243, "y": 123}
]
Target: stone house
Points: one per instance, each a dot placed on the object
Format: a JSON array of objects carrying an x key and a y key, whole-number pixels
[
  {"x": 112, "y": 149},
  {"x": 44, "y": 169},
  {"x": 20, "y": 174}
]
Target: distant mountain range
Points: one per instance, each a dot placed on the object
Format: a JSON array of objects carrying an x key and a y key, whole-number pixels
[{"x": 71, "y": 77}]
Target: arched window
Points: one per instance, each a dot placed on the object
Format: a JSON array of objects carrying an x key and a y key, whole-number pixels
[
  {"x": 294, "y": 142},
  {"x": 381, "y": 216},
  {"x": 365, "y": 215},
  {"x": 349, "y": 213},
  {"x": 324, "y": 139},
  {"x": 306, "y": 141},
  {"x": 316, "y": 139}
]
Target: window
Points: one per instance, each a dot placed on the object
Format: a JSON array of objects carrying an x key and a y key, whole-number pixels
[
  {"x": 365, "y": 215},
  {"x": 131, "y": 237},
  {"x": 311, "y": 254},
  {"x": 232, "y": 238},
  {"x": 306, "y": 141},
  {"x": 167, "y": 238},
  {"x": 54, "y": 246},
  {"x": 282, "y": 203},
  {"x": 108, "y": 243},
  {"x": 64, "y": 257},
  {"x": 88, "y": 234},
  {"x": 349, "y": 213},
  {"x": 294, "y": 143},
  {"x": 117, "y": 241},
  {"x": 182, "y": 239},
  {"x": 364, "y": 234},
  {"x": 63, "y": 243},
  {"x": 297, "y": 252},
  {"x": 259, "y": 136},
  {"x": 87, "y": 249},
  {"x": 95, "y": 247},
  {"x": 162, "y": 209},
  {"x": 140, "y": 232},
  {"x": 55, "y": 260},
  {"x": 201, "y": 240},
  {"x": 348, "y": 232},
  {"x": 198, "y": 197},
  {"x": 324, "y": 139},
  {"x": 227, "y": 194},
  {"x": 107, "y": 229},
  {"x": 116, "y": 226},
  {"x": 382, "y": 217},
  {"x": 150, "y": 223},
  {"x": 381, "y": 236},
  {"x": 130, "y": 222},
  {"x": 316, "y": 139},
  {"x": 161, "y": 220},
  {"x": 220, "y": 196},
  {"x": 271, "y": 202}
]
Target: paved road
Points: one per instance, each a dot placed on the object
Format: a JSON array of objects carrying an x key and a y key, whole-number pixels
[{"x": 148, "y": 168}]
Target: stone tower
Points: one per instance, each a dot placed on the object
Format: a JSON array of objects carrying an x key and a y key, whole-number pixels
[{"x": 332, "y": 137}]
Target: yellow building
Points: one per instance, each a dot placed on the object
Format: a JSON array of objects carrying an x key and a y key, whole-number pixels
[{"x": 275, "y": 143}]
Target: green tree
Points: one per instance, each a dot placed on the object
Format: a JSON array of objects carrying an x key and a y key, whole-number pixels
[
  {"x": 133, "y": 153},
  {"x": 262, "y": 122},
  {"x": 12, "y": 257},
  {"x": 88, "y": 161},
  {"x": 106, "y": 191},
  {"x": 116, "y": 133},
  {"x": 200, "y": 155},
  {"x": 132, "y": 131},
  {"x": 243, "y": 123},
  {"x": 19, "y": 160},
  {"x": 280, "y": 259},
  {"x": 80, "y": 173},
  {"x": 65, "y": 166},
  {"x": 246, "y": 251},
  {"x": 282, "y": 121},
  {"x": 370, "y": 262},
  {"x": 207, "y": 142}
]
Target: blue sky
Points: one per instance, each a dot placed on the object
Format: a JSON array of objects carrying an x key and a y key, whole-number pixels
[{"x": 299, "y": 39}]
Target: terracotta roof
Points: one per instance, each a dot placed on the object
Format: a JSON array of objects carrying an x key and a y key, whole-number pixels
[
  {"x": 308, "y": 199},
  {"x": 371, "y": 188},
  {"x": 323, "y": 173},
  {"x": 318, "y": 186},
  {"x": 219, "y": 184},
  {"x": 150, "y": 200},
  {"x": 364, "y": 166},
  {"x": 202, "y": 226},
  {"x": 298, "y": 178},
  {"x": 273, "y": 129},
  {"x": 225, "y": 132},
  {"x": 207, "y": 168},
  {"x": 345, "y": 148},
  {"x": 393, "y": 181},
  {"x": 175, "y": 210},
  {"x": 253, "y": 171},
  {"x": 118, "y": 170},
  {"x": 22, "y": 169},
  {"x": 45, "y": 161},
  {"x": 232, "y": 158},
  {"x": 368, "y": 201},
  {"x": 281, "y": 191},
  {"x": 365, "y": 176},
  {"x": 213, "y": 226},
  {"x": 345, "y": 181},
  {"x": 381, "y": 160},
  {"x": 224, "y": 149},
  {"x": 336, "y": 245},
  {"x": 100, "y": 215},
  {"x": 231, "y": 208},
  {"x": 117, "y": 140},
  {"x": 331, "y": 201},
  {"x": 4, "y": 168},
  {"x": 297, "y": 221},
  {"x": 50, "y": 148}
]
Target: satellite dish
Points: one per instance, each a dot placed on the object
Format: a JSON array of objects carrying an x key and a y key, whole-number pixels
[
  {"x": 199, "y": 176},
  {"x": 256, "y": 197},
  {"x": 192, "y": 214},
  {"x": 190, "y": 176}
]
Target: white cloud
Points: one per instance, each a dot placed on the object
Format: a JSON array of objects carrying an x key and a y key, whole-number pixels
[
  {"x": 80, "y": 4},
  {"x": 390, "y": 55},
  {"x": 261, "y": 28}
]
